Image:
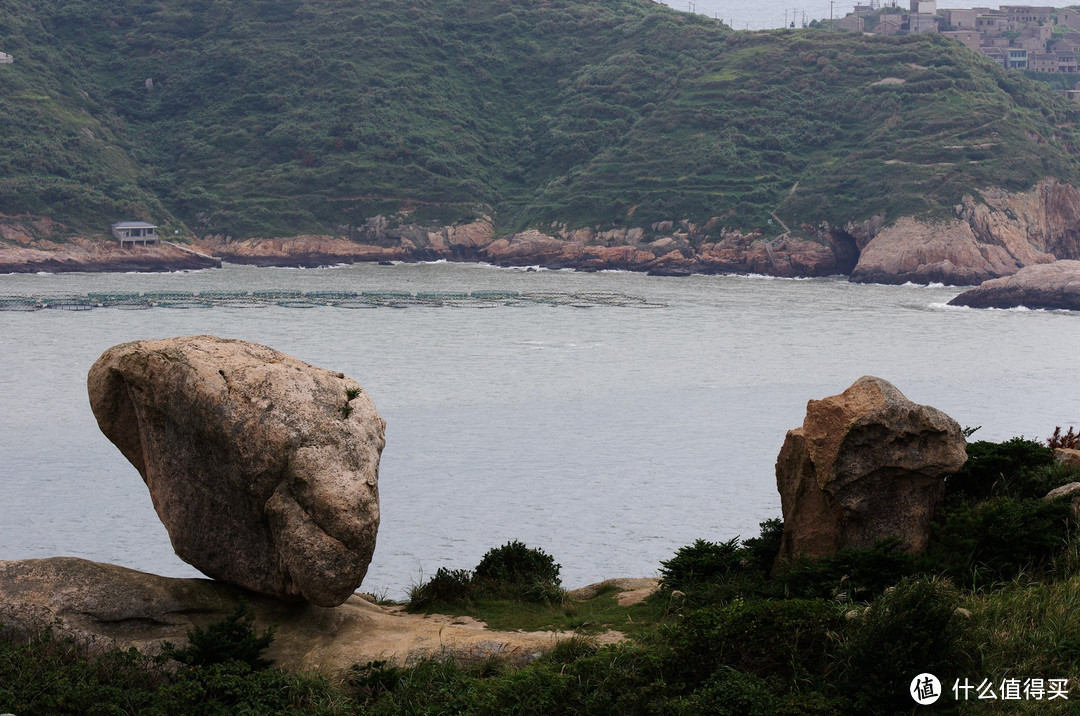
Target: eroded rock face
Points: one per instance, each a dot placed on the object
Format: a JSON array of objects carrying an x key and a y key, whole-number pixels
[
  {"x": 263, "y": 468},
  {"x": 1052, "y": 286},
  {"x": 866, "y": 464}
]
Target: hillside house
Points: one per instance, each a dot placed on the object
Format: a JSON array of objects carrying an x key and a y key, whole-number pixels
[
  {"x": 960, "y": 19},
  {"x": 1031, "y": 44},
  {"x": 971, "y": 39},
  {"x": 1067, "y": 62},
  {"x": 1023, "y": 14},
  {"x": 6, "y": 59},
  {"x": 1043, "y": 62},
  {"x": 1017, "y": 58},
  {"x": 129, "y": 233},
  {"x": 922, "y": 23},
  {"x": 889, "y": 25},
  {"x": 1069, "y": 18},
  {"x": 996, "y": 54},
  {"x": 852, "y": 22},
  {"x": 991, "y": 22}
]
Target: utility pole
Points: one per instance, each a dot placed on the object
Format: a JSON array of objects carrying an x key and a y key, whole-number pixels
[{"x": 830, "y": 12}]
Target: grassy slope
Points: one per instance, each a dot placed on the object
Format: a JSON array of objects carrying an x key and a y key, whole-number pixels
[{"x": 274, "y": 117}]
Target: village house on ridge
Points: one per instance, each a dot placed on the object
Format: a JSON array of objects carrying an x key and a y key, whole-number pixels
[{"x": 1019, "y": 37}]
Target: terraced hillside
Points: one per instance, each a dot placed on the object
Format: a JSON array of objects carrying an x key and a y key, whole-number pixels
[{"x": 281, "y": 117}]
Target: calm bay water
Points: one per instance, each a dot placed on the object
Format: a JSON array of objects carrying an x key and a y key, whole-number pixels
[
  {"x": 767, "y": 14},
  {"x": 608, "y": 436}
]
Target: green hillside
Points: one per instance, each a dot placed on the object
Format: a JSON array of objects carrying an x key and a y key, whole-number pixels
[{"x": 278, "y": 117}]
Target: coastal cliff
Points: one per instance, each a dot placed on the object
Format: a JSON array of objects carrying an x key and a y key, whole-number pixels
[{"x": 992, "y": 234}]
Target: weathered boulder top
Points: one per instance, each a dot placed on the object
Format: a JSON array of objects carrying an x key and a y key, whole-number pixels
[
  {"x": 1053, "y": 286},
  {"x": 866, "y": 464},
  {"x": 263, "y": 468}
]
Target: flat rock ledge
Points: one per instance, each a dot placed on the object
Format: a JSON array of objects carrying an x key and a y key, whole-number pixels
[
  {"x": 1049, "y": 286},
  {"x": 120, "y": 607}
]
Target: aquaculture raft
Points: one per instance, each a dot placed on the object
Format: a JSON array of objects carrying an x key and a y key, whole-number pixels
[{"x": 335, "y": 299}]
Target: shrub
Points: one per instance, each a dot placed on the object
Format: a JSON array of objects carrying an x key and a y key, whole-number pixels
[
  {"x": 851, "y": 574},
  {"x": 789, "y": 638},
  {"x": 448, "y": 586},
  {"x": 232, "y": 639},
  {"x": 701, "y": 563},
  {"x": 763, "y": 549},
  {"x": 999, "y": 538},
  {"x": 48, "y": 675},
  {"x": 912, "y": 628},
  {"x": 515, "y": 571},
  {"x": 1005, "y": 468},
  {"x": 730, "y": 693}
]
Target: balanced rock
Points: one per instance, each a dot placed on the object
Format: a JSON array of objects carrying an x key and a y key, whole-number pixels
[
  {"x": 866, "y": 464},
  {"x": 263, "y": 468}
]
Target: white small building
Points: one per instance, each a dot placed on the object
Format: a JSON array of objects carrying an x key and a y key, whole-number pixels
[
  {"x": 6, "y": 59},
  {"x": 130, "y": 233}
]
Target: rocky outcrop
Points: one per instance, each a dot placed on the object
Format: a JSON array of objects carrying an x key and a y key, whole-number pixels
[
  {"x": 306, "y": 251},
  {"x": 994, "y": 236},
  {"x": 866, "y": 464},
  {"x": 1071, "y": 492},
  {"x": 376, "y": 240},
  {"x": 1067, "y": 457},
  {"x": 993, "y": 233},
  {"x": 263, "y": 468},
  {"x": 23, "y": 254},
  {"x": 581, "y": 249},
  {"x": 1052, "y": 286},
  {"x": 120, "y": 607}
]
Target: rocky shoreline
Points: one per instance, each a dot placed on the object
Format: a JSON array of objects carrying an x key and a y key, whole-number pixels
[
  {"x": 1052, "y": 286},
  {"x": 85, "y": 255},
  {"x": 991, "y": 235}
]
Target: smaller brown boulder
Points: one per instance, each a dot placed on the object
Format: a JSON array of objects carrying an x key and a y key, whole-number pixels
[
  {"x": 866, "y": 464},
  {"x": 1067, "y": 457}
]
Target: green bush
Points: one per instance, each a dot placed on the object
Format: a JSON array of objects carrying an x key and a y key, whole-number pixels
[
  {"x": 1008, "y": 468},
  {"x": 701, "y": 563},
  {"x": 912, "y": 628},
  {"x": 47, "y": 675},
  {"x": 788, "y": 638},
  {"x": 763, "y": 549},
  {"x": 852, "y": 574},
  {"x": 448, "y": 586},
  {"x": 515, "y": 571},
  {"x": 999, "y": 538},
  {"x": 232, "y": 639}
]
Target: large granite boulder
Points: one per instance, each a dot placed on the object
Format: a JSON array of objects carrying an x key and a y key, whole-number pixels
[
  {"x": 866, "y": 464},
  {"x": 263, "y": 468},
  {"x": 1052, "y": 286}
]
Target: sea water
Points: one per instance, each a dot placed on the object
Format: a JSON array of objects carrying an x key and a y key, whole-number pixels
[{"x": 609, "y": 435}]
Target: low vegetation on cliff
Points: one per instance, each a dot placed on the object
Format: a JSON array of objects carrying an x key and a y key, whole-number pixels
[
  {"x": 282, "y": 117},
  {"x": 992, "y": 599}
]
